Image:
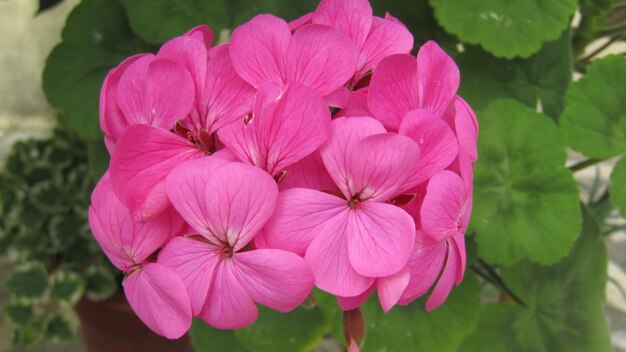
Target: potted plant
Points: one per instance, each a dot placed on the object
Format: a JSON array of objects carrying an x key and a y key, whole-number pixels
[{"x": 58, "y": 267}]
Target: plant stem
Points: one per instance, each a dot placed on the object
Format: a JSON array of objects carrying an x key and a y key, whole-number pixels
[
  {"x": 585, "y": 60},
  {"x": 618, "y": 30},
  {"x": 584, "y": 164},
  {"x": 491, "y": 276}
]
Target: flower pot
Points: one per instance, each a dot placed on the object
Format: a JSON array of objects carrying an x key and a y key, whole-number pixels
[{"x": 111, "y": 325}]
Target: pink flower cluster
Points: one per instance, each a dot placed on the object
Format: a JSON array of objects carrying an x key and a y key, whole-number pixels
[{"x": 317, "y": 152}]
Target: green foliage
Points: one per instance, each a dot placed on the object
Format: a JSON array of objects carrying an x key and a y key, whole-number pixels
[
  {"x": 28, "y": 281},
  {"x": 540, "y": 80},
  {"x": 594, "y": 120},
  {"x": 505, "y": 28},
  {"x": 618, "y": 186},
  {"x": 563, "y": 308},
  {"x": 299, "y": 330},
  {"x": 411, "y": 328},
  {"x": 44, "y": 195},
  {"x": 96, "y": 37},
  {"x": 527, "y": 201}
]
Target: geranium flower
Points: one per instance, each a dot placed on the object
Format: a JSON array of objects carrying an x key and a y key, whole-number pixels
[
  {"x": 319, "y": 57},
  {"x": 223, "y": 275},
  {"x": 352, "y": 238},
  {"x": 147, "y": 154},
  {"x": 155, "y": 292}
]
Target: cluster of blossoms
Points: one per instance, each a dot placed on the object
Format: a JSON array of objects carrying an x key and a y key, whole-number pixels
[{"x": 317, "y": 152}]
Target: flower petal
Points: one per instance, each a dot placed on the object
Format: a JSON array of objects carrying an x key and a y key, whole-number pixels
[
  {"x": 328, "y": 257},
  {"x": 202, "y": 32},
  {"x": 445, "y": 205},
  {"x": 321, "y": 58},
  {"x": 191, "y": 52},
  {"x": 293, "y": 125},
  {"x": 385, "y": 38},
  {"x": 143, "y": 157},
  {"x": 157, "y": 295},
  {"x": 345, "y": 135},
  {"x": 350, "y": 303},
  {"x": 225, "y": 202},
  {"x": 438, "y": 78},
  {"x": 393, "y": 90},
  {"x": 380, "y": 237},
  {"x": 276, "y": 279},
  {"x": 446, "y": 281},
  {"x": 438, "y": 144},
  {"x": 124, "y": 241},
  {"x": 425, "y": 264},
  {"x": 390, "y": 288},
  {"x": 299, "y": 216},
  {"x": 112, "y": 120},
  {"x": 459, "y": 246},
  {"x": 258, "y": 48},
  {"x": 466, "y": 127},
  {"x": 194, "y": 262},
  {"x": 228, "y": 305},
  {"x": 308, "y": 173},
  {"x": 380, "y": 166},
  {"x": 225, "y": 97},
  {"x": 155, "y": 92},
  {"x": 351, "y": 17}
]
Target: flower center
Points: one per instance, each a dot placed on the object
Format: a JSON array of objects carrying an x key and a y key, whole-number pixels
[
  {"x": 354, "y": 202},
  {"x": 226, "y": 251}
]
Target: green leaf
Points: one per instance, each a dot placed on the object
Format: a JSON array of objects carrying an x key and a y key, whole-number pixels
[
  {"x": 159, "y": 21},
  {"x": 59, "y": 329},
  {"x": 412, "y": 328},
  {"x": 96, "y": 37},
  {"x": 98, "y": 158},
  {"x": 542, "y": 79},
  {"x": 594, "y": 120},
  {"x": 563, "y": 304},
  {"x": 299, "y": 330},
  {"x": 593, "y": 19},
  {"x": 29, "y": 281},
  {"x": 66, "y": 286},
  {"x": 242, "y": 11},
  {"x": 29, "y": 335},
  {"x": 505, "y": 28},
  {"x": 617, "y": 189},
  {"x": 47, "y": 4},
  {"x": 419, "y": 18},
  {"x": 21, "y": 314},
  {"x": 526, "y": 200},
  {"x": 100, "y": 283}
]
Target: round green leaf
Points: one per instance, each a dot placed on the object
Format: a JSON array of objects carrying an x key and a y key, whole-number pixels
[
  {"x": 594, "y": 120},
  {"x": 29, "y": 281},
  {"x": 21, "y": 314},
  {"x": 617, "y": 189},
  {"x": 411, "y": 328},
  {"x": 505, "y": 28},
  {"x": 96, "y": 37},
  {"x": 526, "y": 200},
  {"x": 100, "y": 283},
  {"x": 159, "y": 21},
  {"x": 540, "y": 80},
  {"x": 563, "y": 304},
  {"x": 59, "y": 329},
  {"x": 298, "y": 330},
  {"x": 66, "y": 286}
]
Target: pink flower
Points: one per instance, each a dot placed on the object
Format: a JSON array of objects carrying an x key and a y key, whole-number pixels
[
  {"x": 155, "y": 292},
  {"x": 147, "y": 154},
  {"x": 144, "y": 89},
  {"x": 440, "y": 245},
  {"x": 350, "y": 240},
  {"x": 374, "y": 38},
  {"x": 401, "y": 84},
  {"x": 319, "y": 57},
  {"x": 223, "y": 275},
  {"x": 287, "y": 124}
]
